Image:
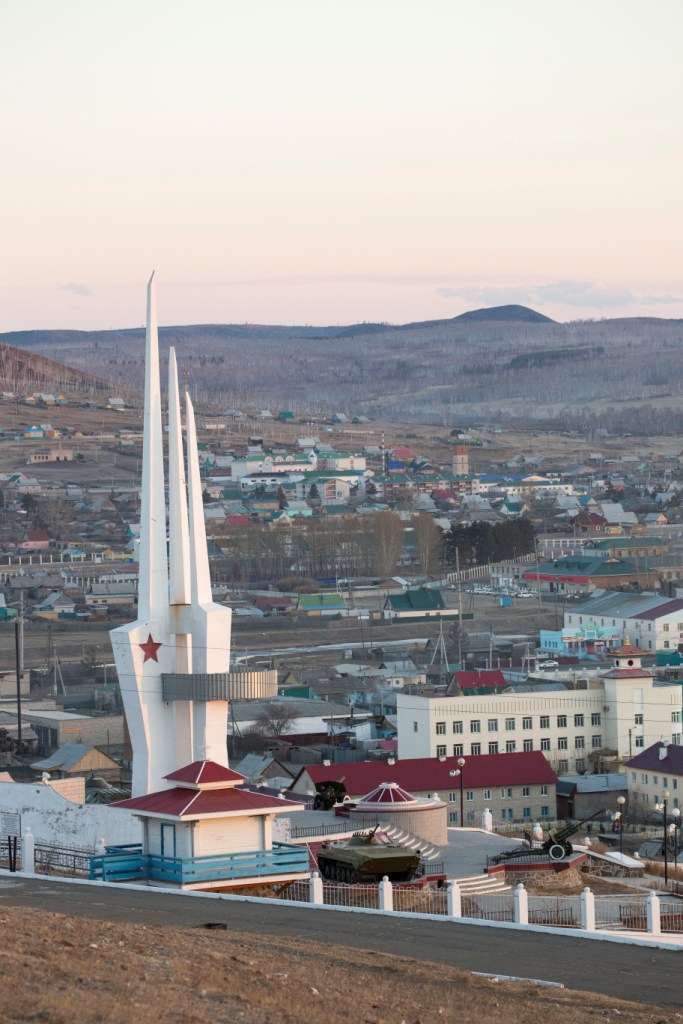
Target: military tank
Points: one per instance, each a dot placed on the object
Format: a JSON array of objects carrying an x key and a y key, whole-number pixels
[{"x": 363, "y": 858}]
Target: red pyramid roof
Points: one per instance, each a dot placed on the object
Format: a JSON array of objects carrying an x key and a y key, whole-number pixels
[
  {"x": 205, "y": 773},
  {"x": 387, "y": 794}
]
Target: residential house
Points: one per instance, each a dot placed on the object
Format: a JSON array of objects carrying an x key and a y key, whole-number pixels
[
  {"x": 418, "y": 604},
  {"x": 35, "y": 540},
  {"x": 79, "y": 759},
  {"x": 321, "y": 604},
  {"x": 652, "y": 773}
]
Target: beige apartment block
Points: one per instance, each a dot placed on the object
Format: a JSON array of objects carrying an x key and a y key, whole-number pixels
[{"x": 619, "y": 715}]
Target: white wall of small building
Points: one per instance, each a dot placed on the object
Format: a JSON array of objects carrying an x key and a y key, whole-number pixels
[
  {"x": 54, "y": 819},
  {"x": 215, "y": 836},
  {"x": 646, "y": 789}
]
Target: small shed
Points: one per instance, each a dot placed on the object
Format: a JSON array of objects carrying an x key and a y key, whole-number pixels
[{"x": 208, "y": 832}]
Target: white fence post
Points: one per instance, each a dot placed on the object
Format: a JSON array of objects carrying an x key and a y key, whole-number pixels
[
  {"x": 315, "y": 889},
  {"x": 654, "y": 924},
  {"x": 386, "y": 894},
  {"x": 454, "y": 900},
  {"x": 521, "y": 905},
  {"x": 587, "y": 910},
  {"x": 28, "y": 853}
]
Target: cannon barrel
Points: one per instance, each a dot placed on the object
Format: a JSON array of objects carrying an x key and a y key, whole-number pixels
[{"x": 560, "y": 835}]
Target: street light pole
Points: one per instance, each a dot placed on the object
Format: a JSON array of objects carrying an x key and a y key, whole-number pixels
[
  {"x": 676, "y": 815},
  {"x": 461, "y": 765},
  {"x": 666, "y": 841},
  {"x": 621, "y": 800},
  {"x": 459, "y": 772}
]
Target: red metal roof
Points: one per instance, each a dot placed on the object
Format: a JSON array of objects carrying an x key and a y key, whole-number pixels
[
  {"x": 205, "y": 773},
  {"x": 428, "y": 774},
  {"x": 650, "y": 759},
  {"x": 480, "y": 679},
  {"x": 663, "y": 609},
  {"x": 181, "y": 803}
]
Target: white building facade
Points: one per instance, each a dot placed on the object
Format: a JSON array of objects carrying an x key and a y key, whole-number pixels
[{"x": 568, "y": 726}]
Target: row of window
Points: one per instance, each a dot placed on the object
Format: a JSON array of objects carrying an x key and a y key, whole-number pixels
[
  {"x": 665, "y": 625},
  {"x": 506, "y": 793},
  {"x": 511, "y": 747},
  {"x": 655, "y": 780},
  {"x": 511, "y": 723},
  {"x": 506, "y": 813}
]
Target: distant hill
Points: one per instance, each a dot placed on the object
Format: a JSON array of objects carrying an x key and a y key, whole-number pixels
[
  {"x": 507, "y": 314},
  {"x": 171, "y": 335},
  {"x": 489, "y": 363},
  {"x": 23, "y": 372}
]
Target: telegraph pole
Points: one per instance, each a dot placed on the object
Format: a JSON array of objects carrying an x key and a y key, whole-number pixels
[{"x": 19, "y": 660}]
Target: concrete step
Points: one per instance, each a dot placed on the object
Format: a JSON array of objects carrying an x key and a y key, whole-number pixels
[
  {"x": 478, "y": 884},
  {"x": 413, "y": 842}
]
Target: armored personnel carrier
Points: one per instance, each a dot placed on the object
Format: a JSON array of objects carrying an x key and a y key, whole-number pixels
[{"x": 363, "y": 858}]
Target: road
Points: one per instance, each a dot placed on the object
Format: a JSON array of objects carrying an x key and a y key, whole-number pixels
[{"x": 638, "y": 973}]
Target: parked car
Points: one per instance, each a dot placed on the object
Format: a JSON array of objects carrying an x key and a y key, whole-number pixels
[{"x": 548, "y": 664}]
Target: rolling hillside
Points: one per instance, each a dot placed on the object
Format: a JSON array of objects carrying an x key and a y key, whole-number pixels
[{"x": 508, "y": 362}]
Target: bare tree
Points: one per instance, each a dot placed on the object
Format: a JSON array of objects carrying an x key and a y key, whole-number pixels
[
  {"x": 274, "y": 717},
  {"x": 427, "y": 539},
  {"x": 388, "y": 535}
]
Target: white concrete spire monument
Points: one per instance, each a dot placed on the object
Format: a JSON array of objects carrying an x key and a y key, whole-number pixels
[{"x": 173, "y": 662}]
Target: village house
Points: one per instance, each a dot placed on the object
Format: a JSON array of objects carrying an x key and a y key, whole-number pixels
[
  {"x": 74, "y": 759},
  {"x": 652, "y": 773},
  {"x": 419, "y": 605},
  {"x": 51, "y": 455}
]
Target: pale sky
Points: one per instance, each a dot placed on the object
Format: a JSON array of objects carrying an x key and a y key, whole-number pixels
[{"x": 303, "y": 161}]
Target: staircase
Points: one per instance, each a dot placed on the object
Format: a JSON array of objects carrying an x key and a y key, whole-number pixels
[
  {"x": 413, "y": 842},
  {"x": 477, "y": 885}
]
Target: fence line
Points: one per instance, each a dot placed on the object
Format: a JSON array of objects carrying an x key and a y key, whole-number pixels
[
  {"x": 654, "y": 913},
  {"x": 588, "y": 912}
]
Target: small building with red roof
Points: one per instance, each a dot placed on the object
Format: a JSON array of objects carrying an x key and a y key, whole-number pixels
[
  {"x": 206, "y": 832},
  {"x": 652, "y": 773},
  {"x": 390, "y": 804},
  {"x": 514, "y": 787},
  {"x": 471, "y": 683}
]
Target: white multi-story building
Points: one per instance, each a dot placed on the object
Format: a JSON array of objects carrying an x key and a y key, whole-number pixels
[
  {"x": 651, "y": 621},
  {"x": 623, "y": 712}
]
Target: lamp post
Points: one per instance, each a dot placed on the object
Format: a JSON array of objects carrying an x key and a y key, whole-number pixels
[
  {"x": 676, "y": 815},
  {"x": 621, "y": 800},
  {"x": 459, "y": 773},
  {"x": 663, "y": 808}
]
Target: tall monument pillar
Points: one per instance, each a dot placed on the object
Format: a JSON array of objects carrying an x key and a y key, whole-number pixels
[{"x": 173, "y": 662}]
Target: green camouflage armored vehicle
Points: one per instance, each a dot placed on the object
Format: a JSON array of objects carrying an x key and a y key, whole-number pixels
[{"x": 363, "y": 858}]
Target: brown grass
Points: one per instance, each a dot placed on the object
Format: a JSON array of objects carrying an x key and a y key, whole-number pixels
[{"x": 71, "y": 971}]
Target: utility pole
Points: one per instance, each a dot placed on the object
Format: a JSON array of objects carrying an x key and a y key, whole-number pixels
[
  {"x": 19, "y": 660},
  {"x": 459, "y": 586}
]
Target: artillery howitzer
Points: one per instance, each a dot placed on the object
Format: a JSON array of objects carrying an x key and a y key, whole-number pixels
[
  {"x": 328, "y": 794},
  {"x": 557, "y": 845},
  {"x": 363, "y": 858}
]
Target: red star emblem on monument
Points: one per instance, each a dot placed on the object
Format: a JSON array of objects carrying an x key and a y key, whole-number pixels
[{"x": 150, "y": 648}]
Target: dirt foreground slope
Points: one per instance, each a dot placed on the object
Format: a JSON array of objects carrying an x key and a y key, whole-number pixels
[{"x": 72, "y": 971}]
